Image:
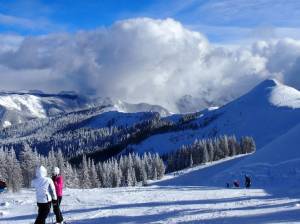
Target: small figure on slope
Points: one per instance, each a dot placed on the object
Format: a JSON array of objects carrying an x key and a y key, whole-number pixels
[
  {"x": 236, "y": 183},
  {"x": 58, "y": 183},
  {"x": 45, "y": 193},
  {"x": 3, "y": 186},
  {"x": 247, "y": 181}
]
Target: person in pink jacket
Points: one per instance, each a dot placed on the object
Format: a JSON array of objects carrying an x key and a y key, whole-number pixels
[{"x": 58, "y": 183}]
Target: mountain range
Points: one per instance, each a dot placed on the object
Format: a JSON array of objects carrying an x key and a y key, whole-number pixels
[{"x": 104, "y": 128}]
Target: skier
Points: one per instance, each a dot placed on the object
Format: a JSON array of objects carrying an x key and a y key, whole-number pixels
[
  {"x": 236, "y": 183},
  {"x": 247, "y": 181},
  {"x": 45, "y": 192},
  {"x": 58, "y": 183},
  {"x": 2, "y": 186}
]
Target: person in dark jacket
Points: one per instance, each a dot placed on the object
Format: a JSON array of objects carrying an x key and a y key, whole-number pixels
[
  {"x": 236, "y": 183},
  {"x": 247, "y": 181},
  {"x": 2, "y": 186}
]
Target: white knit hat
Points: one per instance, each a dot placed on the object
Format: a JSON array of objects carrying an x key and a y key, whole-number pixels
[{"x": 56, "y": 170}]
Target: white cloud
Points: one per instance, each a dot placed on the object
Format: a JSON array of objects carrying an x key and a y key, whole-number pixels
[{"x": 146, "y": 60}]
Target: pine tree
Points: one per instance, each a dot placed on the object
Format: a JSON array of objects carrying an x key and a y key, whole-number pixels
[
  {"x": 160, "y": 166},
  {"x": 116, "y": 174},
  {"x": 93, "y": 175},
  {"x": 29, "y": 162},
  {"x": 205, "y": 156},
  {"x": 14, "y": 172},
  {"x": 85, "y": 181},
  {"x": 3, "y": 173},
  {"x": 191, "y": 163}
]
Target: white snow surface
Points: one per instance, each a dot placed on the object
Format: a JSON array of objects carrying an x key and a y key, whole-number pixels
[{"x": 161, "y": 204}]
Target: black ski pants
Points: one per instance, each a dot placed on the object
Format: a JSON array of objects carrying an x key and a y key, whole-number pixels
[
  {"x": 56, "y": 209},
  {"x": 44, "y": 209}
]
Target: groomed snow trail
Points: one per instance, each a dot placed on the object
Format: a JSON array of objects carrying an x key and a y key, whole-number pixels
[{"x": 159, "y": 204}]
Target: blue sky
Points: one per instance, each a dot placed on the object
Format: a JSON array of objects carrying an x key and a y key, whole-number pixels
[{"x": 219, "y": 20}]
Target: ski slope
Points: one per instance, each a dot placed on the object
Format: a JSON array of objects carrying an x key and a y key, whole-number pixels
[
  {"x": 184, "y": 197},
  {"x": 159, "y": 204}
]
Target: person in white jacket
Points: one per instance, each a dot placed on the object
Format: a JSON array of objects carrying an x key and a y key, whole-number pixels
[{"x": 45, "y": 193}]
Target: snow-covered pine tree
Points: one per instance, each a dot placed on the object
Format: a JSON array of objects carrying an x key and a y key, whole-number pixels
[
  {"x": 232, "y": 145},
  {"x": 247, "y": 144},
  {"x": 191, "y": 163},
  {"x": 60, "y": 161},
  {"x": 116, "y": 174},
  {"x": 3, "y": 173},
  {"x": 210, "y": 150},
  {"x": 85, "y": 181},
  {"x": 205, "y": 155},
  {"x": 29, "y": 162},
  {"x": 13, "y": 170},
  {"x": 160, "y": 166},
  {"x": 93, "y": 174}
]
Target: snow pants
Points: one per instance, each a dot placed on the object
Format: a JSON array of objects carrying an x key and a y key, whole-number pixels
[
  {"x": 56, "y": 209},
  {"x": 44, "y": 209}
]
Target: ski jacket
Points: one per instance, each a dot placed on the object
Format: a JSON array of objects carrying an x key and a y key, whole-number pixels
[
  {"x": 58, "y": 183},
  {"x": 2, "y": 184},
  {"x": 44, "y": 186}
]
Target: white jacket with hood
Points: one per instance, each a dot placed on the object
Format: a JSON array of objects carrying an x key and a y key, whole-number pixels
[{"x": 44, "y": 186}]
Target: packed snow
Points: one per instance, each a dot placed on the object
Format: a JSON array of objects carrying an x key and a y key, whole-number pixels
[
  {"x": 160, "y": 204},
  {"x": 183, "y": 197}
]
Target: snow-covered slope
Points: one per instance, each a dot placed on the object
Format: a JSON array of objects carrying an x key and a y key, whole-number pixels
[
  {"x": 278, "y": 163},
  {"x": 118, "y": 119},
  {"x": 17, "y": 107},
  {"x": 268, "y": 111},
  {"x": 275, "y": 166}
]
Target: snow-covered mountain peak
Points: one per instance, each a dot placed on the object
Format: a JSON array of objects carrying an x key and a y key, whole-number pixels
[
  {"x": 285, "y": 96},
  {"x": 269, "y": 92},
  {"x": 268, "y": 83},
  {"x": 17, "y": 107}
]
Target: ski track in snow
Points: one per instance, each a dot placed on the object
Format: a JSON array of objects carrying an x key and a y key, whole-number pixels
[{"x": 159, "y": 204}]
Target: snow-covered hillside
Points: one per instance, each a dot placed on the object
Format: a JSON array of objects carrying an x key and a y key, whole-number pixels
[
  {"x": 278, "y": 163},
  {"x": 18, "y": 107},
  {"x": 268, "y": 111}
]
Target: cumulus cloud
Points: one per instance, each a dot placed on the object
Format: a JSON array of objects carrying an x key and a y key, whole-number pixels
[{"x": 146, "y": 60}]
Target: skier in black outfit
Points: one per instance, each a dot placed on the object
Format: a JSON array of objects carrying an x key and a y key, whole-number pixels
[
  {"x": 247, "y": 181},
  {"x": 2, "y": 186}
]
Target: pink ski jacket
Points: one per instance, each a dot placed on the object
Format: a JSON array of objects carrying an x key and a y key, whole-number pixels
[{"x": 58, "y": 183}]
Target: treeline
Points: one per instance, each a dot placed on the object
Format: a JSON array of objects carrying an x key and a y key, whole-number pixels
[
  {"x": 128, "y": 170},
  {"x": 208, "y": 150}
]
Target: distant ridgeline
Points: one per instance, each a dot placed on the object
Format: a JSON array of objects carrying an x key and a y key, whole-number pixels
[
  {"x": 74, "y": 134},
  {"x": 124, "y": 170}
]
